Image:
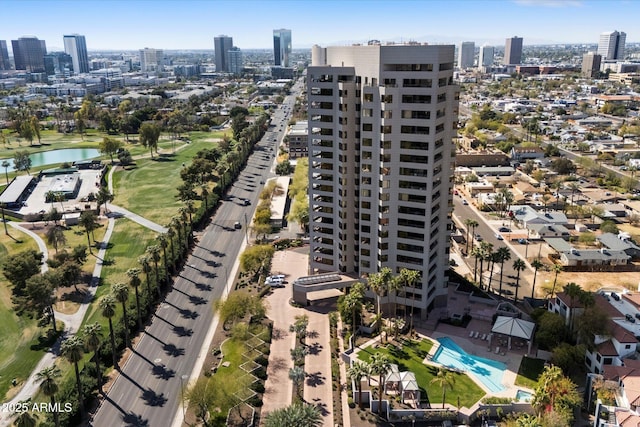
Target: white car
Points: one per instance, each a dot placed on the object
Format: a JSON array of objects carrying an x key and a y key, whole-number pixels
[
  {"x": 275, "y": 283},
  {"x": 276, "y": 276},
  {"x": 499, "y": 236}
]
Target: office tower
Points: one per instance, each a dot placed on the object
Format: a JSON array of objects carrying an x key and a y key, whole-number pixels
[
  {"x": 281, "y": 47},
  {"x": 28, "y": 54},
  {"x": 151, "y": 60},
  {"x": 485, "y": 58},
  {"x": 58, "y": 63},
  {"x": 591, "y": 64},
  {"x": 222, "y": 45},
  {"x": 76, "y": 46},
  {"x": 466, "y": 54},
  {"x": 611, "y": 45},
  {"x": 4, "y": 56},
  {"x": 513, "y": 51},
  {"x": 381, "y": 122},
  {"x": 234, "y": 56}
]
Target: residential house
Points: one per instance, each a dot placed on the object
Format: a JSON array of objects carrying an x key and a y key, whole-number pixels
[
  {"x": 611, "y": 350},
  {"x": 624, "y": 382},
  {"x": 521, "y": 154},
  {"x": 620, "y": 242}
]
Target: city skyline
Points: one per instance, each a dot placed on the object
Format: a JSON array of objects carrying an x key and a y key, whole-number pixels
[{"x": 195, "y": 23}]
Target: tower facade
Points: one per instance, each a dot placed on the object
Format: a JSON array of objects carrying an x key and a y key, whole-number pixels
[
  {"x": 381, "y": 122},
  {"x": 4, "y": 56},
  {"x": 75, "y": 46},
  {"x": 281, "y": 47},
  {"x": 485, "y": 58},
  {"x": 222, "y": 45},
  {"x": 28, "y": 54},
  {"x": 591, "y": 64},
  {"x": 611, "y": 45},
  {"x": 513, "y": 51},
  {"x": 235, "y": 60},
  {"x": 151, "y": 60},
  {"x": 466, "y": 54}
]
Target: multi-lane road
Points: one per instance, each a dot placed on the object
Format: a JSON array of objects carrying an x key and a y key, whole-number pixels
[{"x": 148, "y": 389}]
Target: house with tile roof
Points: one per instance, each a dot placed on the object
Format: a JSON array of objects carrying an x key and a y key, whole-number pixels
[{"x": 620, "y": 406}]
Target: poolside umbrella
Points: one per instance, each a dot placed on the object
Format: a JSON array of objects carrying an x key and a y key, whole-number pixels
[{"x": 514, "y": 327}]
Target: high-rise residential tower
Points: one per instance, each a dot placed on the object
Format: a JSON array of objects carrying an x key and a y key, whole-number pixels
[
  {"x": 611, "y": 45},
  {"x": 222, "y": 45},
  {"x": 591, "y": 64},
  {"x": 28, "y": 54},
  {"x": 234, "y": 56},
  {"x": 513, "y": 51},
  {"x": 485, "y": 58},
  {"x": 151, "y": 60},
  {"x": 4, "y": 56},
  {"x": 381, "y": 122},
  {"x": 466, "y": 54},
  {"x": 76, "y": 46},
  {"x": 281, "y": 47}
]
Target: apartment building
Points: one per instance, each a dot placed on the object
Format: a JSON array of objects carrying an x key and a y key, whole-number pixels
[
  {"x": 75, "y": 45},
  {"x": 381, "y": 123}
]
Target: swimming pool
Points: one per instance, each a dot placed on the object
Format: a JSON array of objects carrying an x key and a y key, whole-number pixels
[
  {"x": 488, "y": 372},
  {"x": 523, "y": 396}
]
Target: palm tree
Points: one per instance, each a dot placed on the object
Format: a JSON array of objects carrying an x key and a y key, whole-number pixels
[
  {"x": 445, "y": 379},
  {"x": 298, "y": 414},
  {"x": 24, "y": 418},
  {"x": 72, "y": 349},
  {"x": 353, "y": 304},
  {"x": 299, "y": 327},
  {"x": 49, "y": 387},
  {"x": 163, "y": 242},
  {"x": 134, "y": 281},
  {"x": 476, "y": 253},
  {"x": 153, "y": 253},
  {"x": 379, "y": 284},
  {"x": 486, "y": 249},
  {"x": 395, "y": 284},
  {"x": 410, "y": 278},
  {"x": 120, "y": 292},
  {"x": 93, "y": 341},
  {"x": 56, "y": 237},
  {"x": 204, "y": 193},
  {"x": 297, "y": 376},
  {"x": 146, "y": 267},
  {"x": 89, "y": 221},
  {"x": 356, "y": 372},
  {"x": 557, "y": 269},
  {"x": 171, "y": 234},
  {"x": 176, "y": 224},
  {"x": 471, "y": 224},
  {"x": 536, "y": 264},
  {"x": 518, "y": 265},
  {"x": 5, "y": 165},
  {"x": 380, "y": 365},
  {"x": 502, "y": 254},
  {"x": 108, "y": 310},
  {"x": 574, "y": 292}
]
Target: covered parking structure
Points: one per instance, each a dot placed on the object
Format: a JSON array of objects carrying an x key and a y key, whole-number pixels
[{"x": 18, "y": 190}]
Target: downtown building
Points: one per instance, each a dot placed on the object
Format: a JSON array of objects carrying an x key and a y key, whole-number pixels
[
  {"x": 513, "y": 51},
  {"x": 611, "y": 45},
  {"x": 4, "y": 56},
  {"x": 466, "y": 55},
  {"x": 281, "y": 47},
  {"x": 75, "y": 46},
  {"x": 151, "y": 60},
  {"x": 28, "y": 54},
  {"x": 381, "y": 123},
  {"x": 485, "y": 57},
  {"x": 222, "y": 45}
]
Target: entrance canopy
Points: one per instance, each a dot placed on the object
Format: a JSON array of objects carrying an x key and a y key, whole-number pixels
[{"x": 514, "y": 327}]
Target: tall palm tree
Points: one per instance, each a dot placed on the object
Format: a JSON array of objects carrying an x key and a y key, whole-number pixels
[
  {"x": 518, "y": 265},
  {"x": 89, "y": 222},
  {"x": 204, "y": 193},
  {"x": 120, "y": 292},
  {"x": 356, "y": 372},
  {"x": 146, "y": 267},
  {"x": 48, "y": 378},
  {"x": 574, "y": 292},
  {"x": 353, "y": 304},
  {"x": 25, "y": 418},
  {"x": 153, "y": 253},
  {"x": 297, "y": 376},
  {"x": 171, "y": 233},
  {"x": 5, "y": 165},
  {"x": 92, "y": 334},
  {"x": 470, "y": 224},
  {"x": 298, "y": 414},
  {"x": 56, "y": 237},
  {"x": 410, "y": 278},
  {"x": 536, "y": 264},
  {"x": 486, "y": 250},
  {"x": 72, "y": 349},
  {"x": 503, "y": 254},
  {"x": 394, "y": 286},
  {"x": 134, "y": 281},
  {"x": 476, "y": 253},
  {"x": 380, "y": 365},
  {"x": 176, "y": 225},
  {"x": 444, "y": 379},
  {"x": 108, "y": 310},
  {"x": 557, "y": 269},
  {"x": 163, "y": 242},
  {"x": 379, "y": 284}
]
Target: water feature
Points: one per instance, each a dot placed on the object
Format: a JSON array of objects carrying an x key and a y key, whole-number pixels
[
  {"x": 488, "y": 372},
  {"x": 55, "y": 157},
  {"x": 523, "y": 396}
]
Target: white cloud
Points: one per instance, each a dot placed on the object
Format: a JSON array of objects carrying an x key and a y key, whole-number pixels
[{"x": 550, "y": 3}]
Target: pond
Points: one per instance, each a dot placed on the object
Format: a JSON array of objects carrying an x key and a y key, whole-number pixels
[{"x": 56, "y": 157}]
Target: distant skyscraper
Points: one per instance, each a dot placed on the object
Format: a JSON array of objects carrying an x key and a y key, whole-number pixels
[
  {"x": 222, "y": 45},
  {"x": 76, "y": 46},
  {"x": 485, "y": 58},
  {"x": 151, "y": 60},
  {"x": 611, "y": 45},
  {"x": 591, "y": 64},
  {"x": 466, "y": 54},
  {"x": 28, "y": 54},
  {"x": 234, "y": 56},
  {"x": 281, "y": 47},
  {"x": 4, "y": 56},
  {"x": 513, "y": 51}
]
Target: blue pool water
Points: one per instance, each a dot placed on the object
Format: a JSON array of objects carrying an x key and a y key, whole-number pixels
[
  {"x": 488, "y": 372},
  {"x": 523, "y": 396}
]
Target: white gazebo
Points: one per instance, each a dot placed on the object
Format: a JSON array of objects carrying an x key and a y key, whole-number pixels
[{"x": 513, "y": 327}]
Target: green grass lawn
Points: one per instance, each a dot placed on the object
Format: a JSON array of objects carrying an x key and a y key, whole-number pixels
[
  {"x": 410, "y": 359},
  {"x": 17, "y": 359},
  {"x": 529, "y": 371}
]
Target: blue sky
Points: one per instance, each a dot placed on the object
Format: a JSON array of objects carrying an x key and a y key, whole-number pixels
[{"x": 192, "y": 24}]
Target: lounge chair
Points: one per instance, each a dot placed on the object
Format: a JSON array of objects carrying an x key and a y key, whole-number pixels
[
  {"x": 476, "y": 334},
  {"x": 484, "y": 337},
  {"x": 497, "y": 350},
  {"x": 471, "y": 334}
]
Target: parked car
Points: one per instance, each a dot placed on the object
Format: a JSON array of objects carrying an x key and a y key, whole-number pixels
[
  {"x": 499, "y": 236},
  {"x": 615, "y": 296},
  {"x": 523, "y": 241},
  {"x": 478, "y": 237},
  {"x": 464, "y": 202},
  {"x": 504, "y": 230},
  {"x": 630, "y": 318},
  {"x": 237, "y": 225}
]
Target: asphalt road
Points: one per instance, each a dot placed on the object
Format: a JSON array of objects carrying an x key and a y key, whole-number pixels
[{"x": 148, "y": 390}]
